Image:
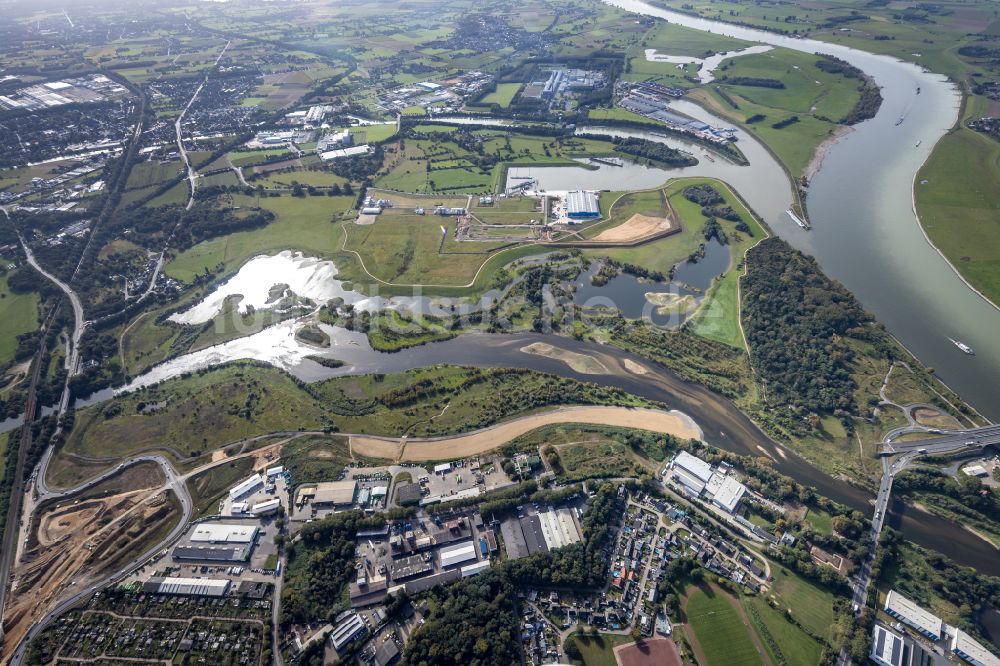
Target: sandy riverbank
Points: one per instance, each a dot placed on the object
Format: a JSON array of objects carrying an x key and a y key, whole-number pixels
[{"x": 474, "y": 443}]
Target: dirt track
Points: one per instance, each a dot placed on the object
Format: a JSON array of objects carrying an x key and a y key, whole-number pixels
[
  {"x": 481, "y": 441},
  {"x": 635, "y": 228}
]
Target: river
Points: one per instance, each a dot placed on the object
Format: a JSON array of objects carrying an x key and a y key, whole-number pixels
[{"x": 865, "y": 232}]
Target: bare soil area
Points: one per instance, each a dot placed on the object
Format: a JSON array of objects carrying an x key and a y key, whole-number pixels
[{"x": 634, "y": 229}]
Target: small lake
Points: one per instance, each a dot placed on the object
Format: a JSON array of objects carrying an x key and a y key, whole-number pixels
[{"x": 628, "y": 293}]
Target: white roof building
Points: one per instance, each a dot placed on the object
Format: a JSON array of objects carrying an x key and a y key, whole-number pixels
[
  {"x": 975, "y": 470},
  {"x": 238, "y": 508},
  {"x": 729, "y": 493},
  {"x": 337, "y": 153},
  {"x": 275, "y": 471},
  {"x": 245, "y": 487},
  {"x": 346, "y": 631},
  {"x": 887, "y": 647},
  {"x": 264, "y": 508},
  {"x": 442, "y": 468},
  {"x": 904, "y": 610},
  {"x": 457, "y": 553},
  {"x": 476, "y": 568},
  {"x": 380, "y": 491},
  {"x": 968, "y": 649},
  {"x": 222, "y": 533},
  {"x": 201, "y": 587},
  {"x": 693, "y": 465}
]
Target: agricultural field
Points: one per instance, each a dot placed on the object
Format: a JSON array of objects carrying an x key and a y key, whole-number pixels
[{"x": 502, "y": 96}]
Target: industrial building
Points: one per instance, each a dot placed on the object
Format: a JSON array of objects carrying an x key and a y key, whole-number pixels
[
  {"x": 245, "y": 487},
  {"x": 887, "y": 647},
  {"x": 194, "y": 587},
  {"x": 408, "y": 494},
  {"x": 217, "y": 542},
  {"x": 475, "y": 568},
  {"x": 266, "y": 508},
  {"x": 223, "y": 533},
  {"x": 338, "y": 153},
  {"x": 906, "y": 611},
  {"x": 691, "y": 472},
  {"x": 968, "y": 649},
  {"x": 582, "y": 205},
  {"x": 697, "y": 478},
  {"x": 346, "y": 631},
  {"x": 725, "y": 491},
  {"x": 333, "y": 494},
  {"x": 409, "y": 567},
  {"x": 457, "y": 554}
]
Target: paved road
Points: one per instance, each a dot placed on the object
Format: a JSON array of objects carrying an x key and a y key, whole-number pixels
[
  {"x": 949, "y": 440},
  {"x": 73, "y": 358}
]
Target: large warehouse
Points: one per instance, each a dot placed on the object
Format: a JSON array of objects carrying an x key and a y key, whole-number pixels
[
  {"x": 968, "y": 649},
  {"x": 904, "y": 610},
  {"x": 195, "y": 587},
  {"x": 223, "y": 533},
  {"x": 582, "y": 205},
  {"x": 217, "y": 542},
  {"x": 457, "y": 554},
  {"x": 335, "y": 494}
]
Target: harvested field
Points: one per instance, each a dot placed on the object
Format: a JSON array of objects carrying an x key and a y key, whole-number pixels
[
  {"x": 636, "y": 228},
  {"x": 481, "y": 441},
  {"x": 655, "y": 652}
]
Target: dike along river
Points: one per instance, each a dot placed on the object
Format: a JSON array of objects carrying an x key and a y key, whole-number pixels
[{"x": 865, "y": 232}]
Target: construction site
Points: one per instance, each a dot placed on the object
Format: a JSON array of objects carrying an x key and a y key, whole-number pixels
[{"x": 78, "y": 539}]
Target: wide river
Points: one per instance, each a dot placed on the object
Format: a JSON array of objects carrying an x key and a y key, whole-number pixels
[{"x": 865, "y": 231}]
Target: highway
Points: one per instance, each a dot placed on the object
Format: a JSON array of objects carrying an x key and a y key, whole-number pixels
[{"x": 948, "y": 441}]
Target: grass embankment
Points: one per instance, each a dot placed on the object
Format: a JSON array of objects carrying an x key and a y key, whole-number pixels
[
  {"x": 816, "y": 98},
  {"x": 958, "y": 200},
  {"x": 208, "y": 487},
  {"x": 301, "y": 223}
]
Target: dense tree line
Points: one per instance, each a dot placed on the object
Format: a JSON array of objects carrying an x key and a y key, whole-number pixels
[
  {"x": 782, "y": 124},
  {"x": 472, "y": 622},
  {"x": 655, "y": 151},
  {"x": 972, "y": 496},
  {"x": 753, "y": 81},
  {"x": 797, "y": 321},
  {"x": 360, "y": 167},
  {"x": 320, "y": 565},
  {"x": 871, "y": 96},
  {"x": 705, "y": 195}
]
